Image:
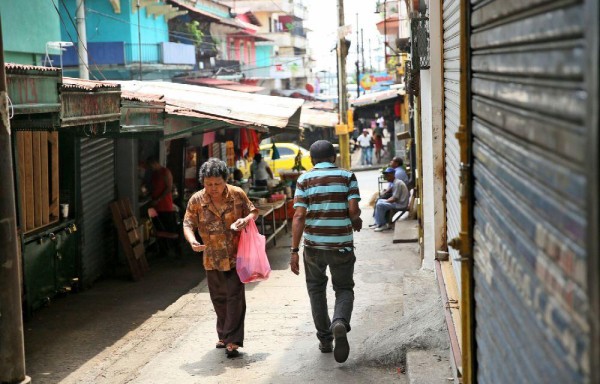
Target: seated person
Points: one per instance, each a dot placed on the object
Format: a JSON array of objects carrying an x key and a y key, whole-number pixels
[
  {"x": 398, "y": 200},
  {"x": 396, "y": 163},
  {"x": 236, "y": 177}
]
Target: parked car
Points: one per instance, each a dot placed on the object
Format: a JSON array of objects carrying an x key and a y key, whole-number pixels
[{"x": 287, "y": 156}]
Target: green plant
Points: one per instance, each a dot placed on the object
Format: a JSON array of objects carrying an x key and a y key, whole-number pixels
[{"x": 193, "y": 28}]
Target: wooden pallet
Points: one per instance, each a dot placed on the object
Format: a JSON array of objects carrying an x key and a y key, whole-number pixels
[{"x": 127, "y": 224}]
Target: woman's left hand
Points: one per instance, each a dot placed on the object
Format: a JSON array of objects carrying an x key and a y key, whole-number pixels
[{"x": 239, "y": 224}]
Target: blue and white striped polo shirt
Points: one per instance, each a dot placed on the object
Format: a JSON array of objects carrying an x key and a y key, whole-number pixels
[{"x": 325, "y": 191}]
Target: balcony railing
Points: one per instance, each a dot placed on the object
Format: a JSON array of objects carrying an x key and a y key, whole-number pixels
[
  {"x": 120, "y": 53},
  {"x": 150, "y": 53}
]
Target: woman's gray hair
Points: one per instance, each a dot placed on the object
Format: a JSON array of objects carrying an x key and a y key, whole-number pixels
[{"x": 213, "y": 167}]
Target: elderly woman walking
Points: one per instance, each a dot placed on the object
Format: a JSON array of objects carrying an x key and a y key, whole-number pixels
[{"x": 218, "y": 212}]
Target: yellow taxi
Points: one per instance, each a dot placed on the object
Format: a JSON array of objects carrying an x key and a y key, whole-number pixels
[{"x": 287, "y": 156}]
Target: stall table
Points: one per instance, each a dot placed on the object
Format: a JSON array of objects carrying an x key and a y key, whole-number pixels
[{"x": 267, "y": 212}]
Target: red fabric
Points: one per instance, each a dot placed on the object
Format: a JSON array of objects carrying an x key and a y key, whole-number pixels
[
  {"x": 378, "y": 142},
  {"x": 244, "y": 145},
  {"x": 158, "y": 186},
  {"x": 254, "y": 148},
  {"x": 397, "y": 108}
]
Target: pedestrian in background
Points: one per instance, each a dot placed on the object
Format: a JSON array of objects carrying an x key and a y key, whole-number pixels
[
  {"x": 327, "y": 213},
  {"x": 218, "y": 212},
  {"x": 260, "y": 171},
  {"x": 161, "y": 192},
  {"x": 366, "y": 150}
]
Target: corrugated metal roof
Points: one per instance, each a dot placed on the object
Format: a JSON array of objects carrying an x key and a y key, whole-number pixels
[
  {"x": 218, "y": 83},
  {"x": 15, "y": 68},
  {"x": 70, "y": 83},
  {"x": 251, "y": 109},
  {"x": 142, "y": 97},
  {"x": 376, "y": 97},
  {"x": 178, "y": 111}
]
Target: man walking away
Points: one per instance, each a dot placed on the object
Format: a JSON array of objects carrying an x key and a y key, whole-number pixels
[{"x": 327, "y": 212}]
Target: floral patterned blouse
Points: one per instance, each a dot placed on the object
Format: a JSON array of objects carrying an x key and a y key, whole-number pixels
[{"x": 214, "y": 226}]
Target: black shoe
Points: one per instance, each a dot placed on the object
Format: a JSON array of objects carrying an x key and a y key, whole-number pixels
[
  {"x": 342, "y": 348},
  {"x": 326, "y": 346},
  {"x": 373, "y": 225}
]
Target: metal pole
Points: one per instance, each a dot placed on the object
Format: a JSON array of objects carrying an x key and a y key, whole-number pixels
[
  {"x": 12, "y": 344},
  {"x": 370, "y": 56},
  {"x": 385, "y": 34},
  {"x": 82, "y": 46},
  {"x": 139, "y": 37},
  {"x": 362, "y": 50},
  {"x": 357, "y": 61},
  {"x": 343, "y": 138}
]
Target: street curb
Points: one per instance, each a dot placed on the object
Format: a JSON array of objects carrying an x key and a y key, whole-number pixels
[{"x": 366, "y": 168}]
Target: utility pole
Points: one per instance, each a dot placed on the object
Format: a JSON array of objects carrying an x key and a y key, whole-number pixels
[
  {"x": 370, "y": 56},
  {"x": 342, "y": 52},
  {"x": 362, "y": 50},
  {"x": 139, "y": 37},
  {"x": 82, "y": 46},
  {"x": 12, "y": 344},
  {"x": 357, "y": 61}
]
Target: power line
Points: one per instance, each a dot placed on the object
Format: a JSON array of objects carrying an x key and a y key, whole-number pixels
[{"x": 71, "y": 38}]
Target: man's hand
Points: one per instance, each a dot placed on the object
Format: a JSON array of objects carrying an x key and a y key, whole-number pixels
[
  {"x": 357, "y": 224},
  {"x": 294, "y": 263},
  {"x": 197, "y": 247}
]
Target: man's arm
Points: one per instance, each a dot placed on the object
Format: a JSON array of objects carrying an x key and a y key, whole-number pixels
[
  {"x": 298, "y": 223},
  {"x": 354, "y": 212}
]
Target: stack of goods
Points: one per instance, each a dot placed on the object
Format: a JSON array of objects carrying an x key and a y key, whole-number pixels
[{"x": 229, "y": 154}]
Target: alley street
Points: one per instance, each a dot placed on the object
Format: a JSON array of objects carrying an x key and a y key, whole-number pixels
[{"x": 176, "y": 345}]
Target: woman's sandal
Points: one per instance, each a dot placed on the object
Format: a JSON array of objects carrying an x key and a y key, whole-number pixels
[
  {"x": 220, "y": 344},
  {"x": 232, "y": 350}
]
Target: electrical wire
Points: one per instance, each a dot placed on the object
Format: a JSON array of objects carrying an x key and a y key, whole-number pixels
[
  {"x": 175, "y": 34},
  {"x": 178, "y": 33},
  {"x": 71, "y": 38}
]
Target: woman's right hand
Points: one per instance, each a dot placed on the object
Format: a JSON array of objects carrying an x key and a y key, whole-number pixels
[{"x": 197, "y": 247}]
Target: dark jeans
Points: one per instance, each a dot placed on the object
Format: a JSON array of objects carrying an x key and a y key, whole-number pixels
[
  {"x": 341, "y": 267},
  {"x": 228, "y": 296}
]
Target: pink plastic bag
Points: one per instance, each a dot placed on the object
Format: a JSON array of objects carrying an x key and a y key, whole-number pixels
[{"x": 252, "y": 263}]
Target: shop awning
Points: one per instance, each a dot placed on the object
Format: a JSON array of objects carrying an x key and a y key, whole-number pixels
[
  {"x": 314, "y": 117},
  {"x": 86, "y": 102},
  {"x": 376, "y": 97},
  {"x": 142, "y": 114},
  {"x": 183, "y": 122},
  {"x": 34, "y": 100},
  {"x": 203, "y": 15},
  {"x": 251, "y": 110},
  {"x": 218, "y": 83}
]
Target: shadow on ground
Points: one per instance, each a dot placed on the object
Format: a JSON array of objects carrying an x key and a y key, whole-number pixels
[{"x": 73, "y": 329}]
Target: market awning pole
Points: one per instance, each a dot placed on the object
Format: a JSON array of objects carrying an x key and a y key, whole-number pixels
[
  {"x": 342, "y": 51},
  {"x": 12, "y": 347}
]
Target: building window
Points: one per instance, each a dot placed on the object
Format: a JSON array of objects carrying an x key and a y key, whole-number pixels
[
  {"x": 231, "y": 50},
  {"x": 242, "y": 52}
]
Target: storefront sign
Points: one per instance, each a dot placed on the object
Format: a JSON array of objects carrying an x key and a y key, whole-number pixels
[{"x": 377, "y": 81}]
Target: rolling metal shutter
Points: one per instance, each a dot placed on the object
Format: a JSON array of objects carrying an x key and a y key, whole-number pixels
[
  {"x": 451, "y": 27},
  {"x": 528, "y": 90},
  {"x": 97, "y": 191}
]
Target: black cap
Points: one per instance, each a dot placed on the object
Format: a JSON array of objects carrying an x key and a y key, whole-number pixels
[{"x": 322, "y": 149}]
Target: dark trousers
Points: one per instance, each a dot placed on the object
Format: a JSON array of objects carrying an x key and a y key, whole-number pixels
[
  {"x": 228, "y": 296},
  {"x": 341, "y": 267}
]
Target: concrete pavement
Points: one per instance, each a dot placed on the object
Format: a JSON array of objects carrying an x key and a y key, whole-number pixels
[{"x": 176, "y": 344}]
